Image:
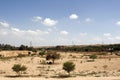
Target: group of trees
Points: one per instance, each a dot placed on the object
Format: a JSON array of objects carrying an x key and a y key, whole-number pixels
[
  {"x": 7, "y": 47},
  {"x": 67, "y": 66},
  {"x": 21, "y": 47},
  {"x": 50, "y": 55},
  {"x": 88, "y": 48}
]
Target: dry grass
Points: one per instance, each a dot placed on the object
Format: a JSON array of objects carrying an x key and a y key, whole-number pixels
[{"x": 37, "y": 66}]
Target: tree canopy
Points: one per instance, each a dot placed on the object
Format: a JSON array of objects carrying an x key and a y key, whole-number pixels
[
  {"x": 53, "y": 55},
  {"x": 69, "y": 66}
]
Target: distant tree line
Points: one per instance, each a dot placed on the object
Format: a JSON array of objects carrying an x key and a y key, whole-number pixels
[
  {"x": 75, "y": 48},
  {"x": 7, "y": 47},
  {"x": 87, "y": 48},
  {"x": 10, "y": 47}
]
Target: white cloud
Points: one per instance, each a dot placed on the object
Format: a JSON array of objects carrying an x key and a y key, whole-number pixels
[
  {"x": 107, "y": 34},
  {"x": 4, "y": 24},
  {"x": 118, "y": 23},
  {"x": 17, "y": 32},
  {"x": 3, "y": 32},
  {"x": 88, "y": 19},
  {"x": 64, "y": 32},
  {"x": 37, "y": 18},
  {"x": 49, "y": 22},
  {"x": 73, "y": 16},
  {"x": 83, "y": 34},
  {"x": 15, "y": 29},
  {"x": 38, "y": 32},
  {"x": 117, "y": 37},
  {"x": 46, "y": 21},
  {"x": 29, "y": 32}
]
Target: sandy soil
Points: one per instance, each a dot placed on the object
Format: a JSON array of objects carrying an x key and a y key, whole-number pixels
[
  {"x": 77, "y": 78},
  {"x": 84, "y": 70}
]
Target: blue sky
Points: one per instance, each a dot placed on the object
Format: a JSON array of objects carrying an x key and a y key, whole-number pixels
[{"x": 59, "y": 22}]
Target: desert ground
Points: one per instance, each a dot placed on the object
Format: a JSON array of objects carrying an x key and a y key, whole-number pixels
[{"x": 105, "y": 67}]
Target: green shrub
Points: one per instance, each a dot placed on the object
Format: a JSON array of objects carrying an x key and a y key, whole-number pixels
[
  {"x": 69, "y": 66},
  {"x": 93, "y": 56},
  {"x": 42, "y": 52},
  {"x": 18, "y": 68}
]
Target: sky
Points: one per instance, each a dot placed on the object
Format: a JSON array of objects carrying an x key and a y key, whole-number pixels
[{"x": 59, "y": 22}]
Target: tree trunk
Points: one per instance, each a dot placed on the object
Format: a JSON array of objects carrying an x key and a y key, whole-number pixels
[
  {"x": 53, "y": 61},
  {"x": 18, "y": 73},
  {"x": 68, "y": 73}
]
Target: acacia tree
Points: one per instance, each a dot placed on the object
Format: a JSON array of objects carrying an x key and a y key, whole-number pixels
[
  {"x": 52, "y": 55},
  {"x": 68, "y": 66},
  {"x": 18, "y": 68}
]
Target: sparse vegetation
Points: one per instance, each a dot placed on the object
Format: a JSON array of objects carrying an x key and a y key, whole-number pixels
[
  {"x": 18, "y": 68},
  {"x": 40, "y": 64},
  {"x": 69, "y": 66},
  {"x": 93, "y": 56},
  {"x": 1, "y": 56},
  {"x": 90, "y": 48},
  {"x": 23, "y": 47},
  {"x": 29, "y": 53},
  {"x": 21, "y": 55},
  {"x": 52, "y": 55},
  {"x": 42, "y": 52},
  {"x": 105, "y": 67}
]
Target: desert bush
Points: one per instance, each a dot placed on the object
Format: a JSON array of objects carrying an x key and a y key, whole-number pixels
[
  {"x": 29, "y": 53},
  {"x": 21, "y": 55},
  {"x": 1, "y": 55},
  {"x": 95, "y": 66},
  {"x": 33, "y": 54},
  {"x": 52, "y": 55},
  {"x": 42, "y": 52},
  {"x": 70, "y": 55},
  {"x": 74, "y": 57},
  {"x": 118, "y": 70},
  {"x": 34, "y": 50},
  {"x": 68, "y": 66},
  {"x": 43, "y": 62},
  {"x": 18, "y": 68},
  {"x": 94, "y": 56},
  {"x": 105, "y": 67}
]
